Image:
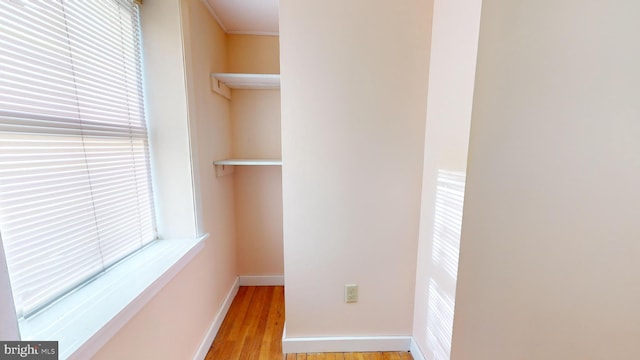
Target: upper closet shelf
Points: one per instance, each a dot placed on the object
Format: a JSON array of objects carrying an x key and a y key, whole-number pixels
[
  {"x": 223, "y": 82},
  {"x": 248, "y": 162}
]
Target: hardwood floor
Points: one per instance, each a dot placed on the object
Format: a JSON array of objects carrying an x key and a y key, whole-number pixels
[{"x": 253, "y": 328}]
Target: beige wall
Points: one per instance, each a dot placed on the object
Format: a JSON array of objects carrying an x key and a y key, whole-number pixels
[
  {"x": 254, "y": 54},
  {"x": 452, "y": 65},
  {"x": 549, "y": 258},
  {"x": 353, "y": 120},
  {"x": 174, "y": 323},
  {"x": 255, "y": 119},
  {"x": 258, "y": 199},
  {"x": 166, "y": 107}
]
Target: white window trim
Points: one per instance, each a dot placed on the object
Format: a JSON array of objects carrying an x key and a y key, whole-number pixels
[
  {"x": 162, "y": 28},
  {"x": 8, "y": 321},
  {"x": 89, "y": 317}
]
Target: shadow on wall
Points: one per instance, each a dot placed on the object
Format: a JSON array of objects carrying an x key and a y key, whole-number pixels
[{"x": 444, "y": 260}]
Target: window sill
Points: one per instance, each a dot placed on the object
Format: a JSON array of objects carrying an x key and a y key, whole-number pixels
[{"x": 85, "y": 320}]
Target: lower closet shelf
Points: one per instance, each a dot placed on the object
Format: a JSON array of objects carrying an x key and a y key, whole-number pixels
[{"x": 225, "y": 167}]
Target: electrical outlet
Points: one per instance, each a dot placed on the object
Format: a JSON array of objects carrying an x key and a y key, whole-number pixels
[{"x": 351, "y": 293}]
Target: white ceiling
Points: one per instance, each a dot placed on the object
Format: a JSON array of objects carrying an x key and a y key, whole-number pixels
[{"x": 259, "y": 17}]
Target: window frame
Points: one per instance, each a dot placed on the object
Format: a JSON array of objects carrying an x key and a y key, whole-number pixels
[
  {"x": 174, "y": 166},
  {"x": 76, "y": 181}
]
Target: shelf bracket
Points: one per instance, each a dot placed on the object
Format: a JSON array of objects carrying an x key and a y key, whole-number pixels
[
  {"x": 222, "y": 170},
  {"x": 220, "y": 88}
]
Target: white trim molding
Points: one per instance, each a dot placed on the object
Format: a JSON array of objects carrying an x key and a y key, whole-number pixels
[
  {"x": 215, "y": 16},
  {"x": 344, "y": 344},
  {"x": 203, "y": 349},
  {"x": 257, "y": 33},
  {"x": 86, "y": 319},
  {"x": 224, "y": 28},
  {"x": 261, "y": 280},
  {"x": 415, "y": 350},
  {"x": 9, "y": 324}
]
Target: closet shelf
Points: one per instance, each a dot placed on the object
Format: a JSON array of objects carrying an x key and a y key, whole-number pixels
[
  {"x": 249, "y": 81},
  {"x": 223, "y": 82},
  {"x": 248, "y": 162},
  {"x": 226, "y": 166}
]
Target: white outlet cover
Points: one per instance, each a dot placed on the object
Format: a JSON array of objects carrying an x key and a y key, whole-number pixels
[{"x": 351, "y": 293}]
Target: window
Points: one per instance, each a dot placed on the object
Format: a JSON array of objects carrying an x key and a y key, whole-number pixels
[{"x": 75, "y": 189}]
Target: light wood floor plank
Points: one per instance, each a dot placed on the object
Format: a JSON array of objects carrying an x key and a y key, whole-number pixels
[
  {"x": 249, "y": 332},
  {"x": 236, "y": 314},
  {"x": 275, "y": 324},
  {"x": 405, "y": 355},
  {"x": 391, "y": 356}
]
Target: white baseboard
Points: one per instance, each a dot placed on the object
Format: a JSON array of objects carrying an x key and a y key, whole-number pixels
[
  {"x": 262, "y": 280},
  {"x": 217, "y": 321},
  {"x": 415, "y": 350},
  {"x": 344, "y": 344}
]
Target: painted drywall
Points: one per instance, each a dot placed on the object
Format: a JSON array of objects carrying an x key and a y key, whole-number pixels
[
  {"x": 175, "y": 322},
  {"x": 354, "y": 84},
  {"x": 454, "y": 45},
  {"x": 255, "y": 119},
  {"x": 166, "y": 108},
  {"x": 258, "y": 200},
  {"x": 255, "y": 124},
  {"x": 253, "y": 54},
  {"x": 549, "y": 254}
]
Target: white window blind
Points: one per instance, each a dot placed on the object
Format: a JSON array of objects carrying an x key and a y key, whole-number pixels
[{"x": 75, "y": 187}]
